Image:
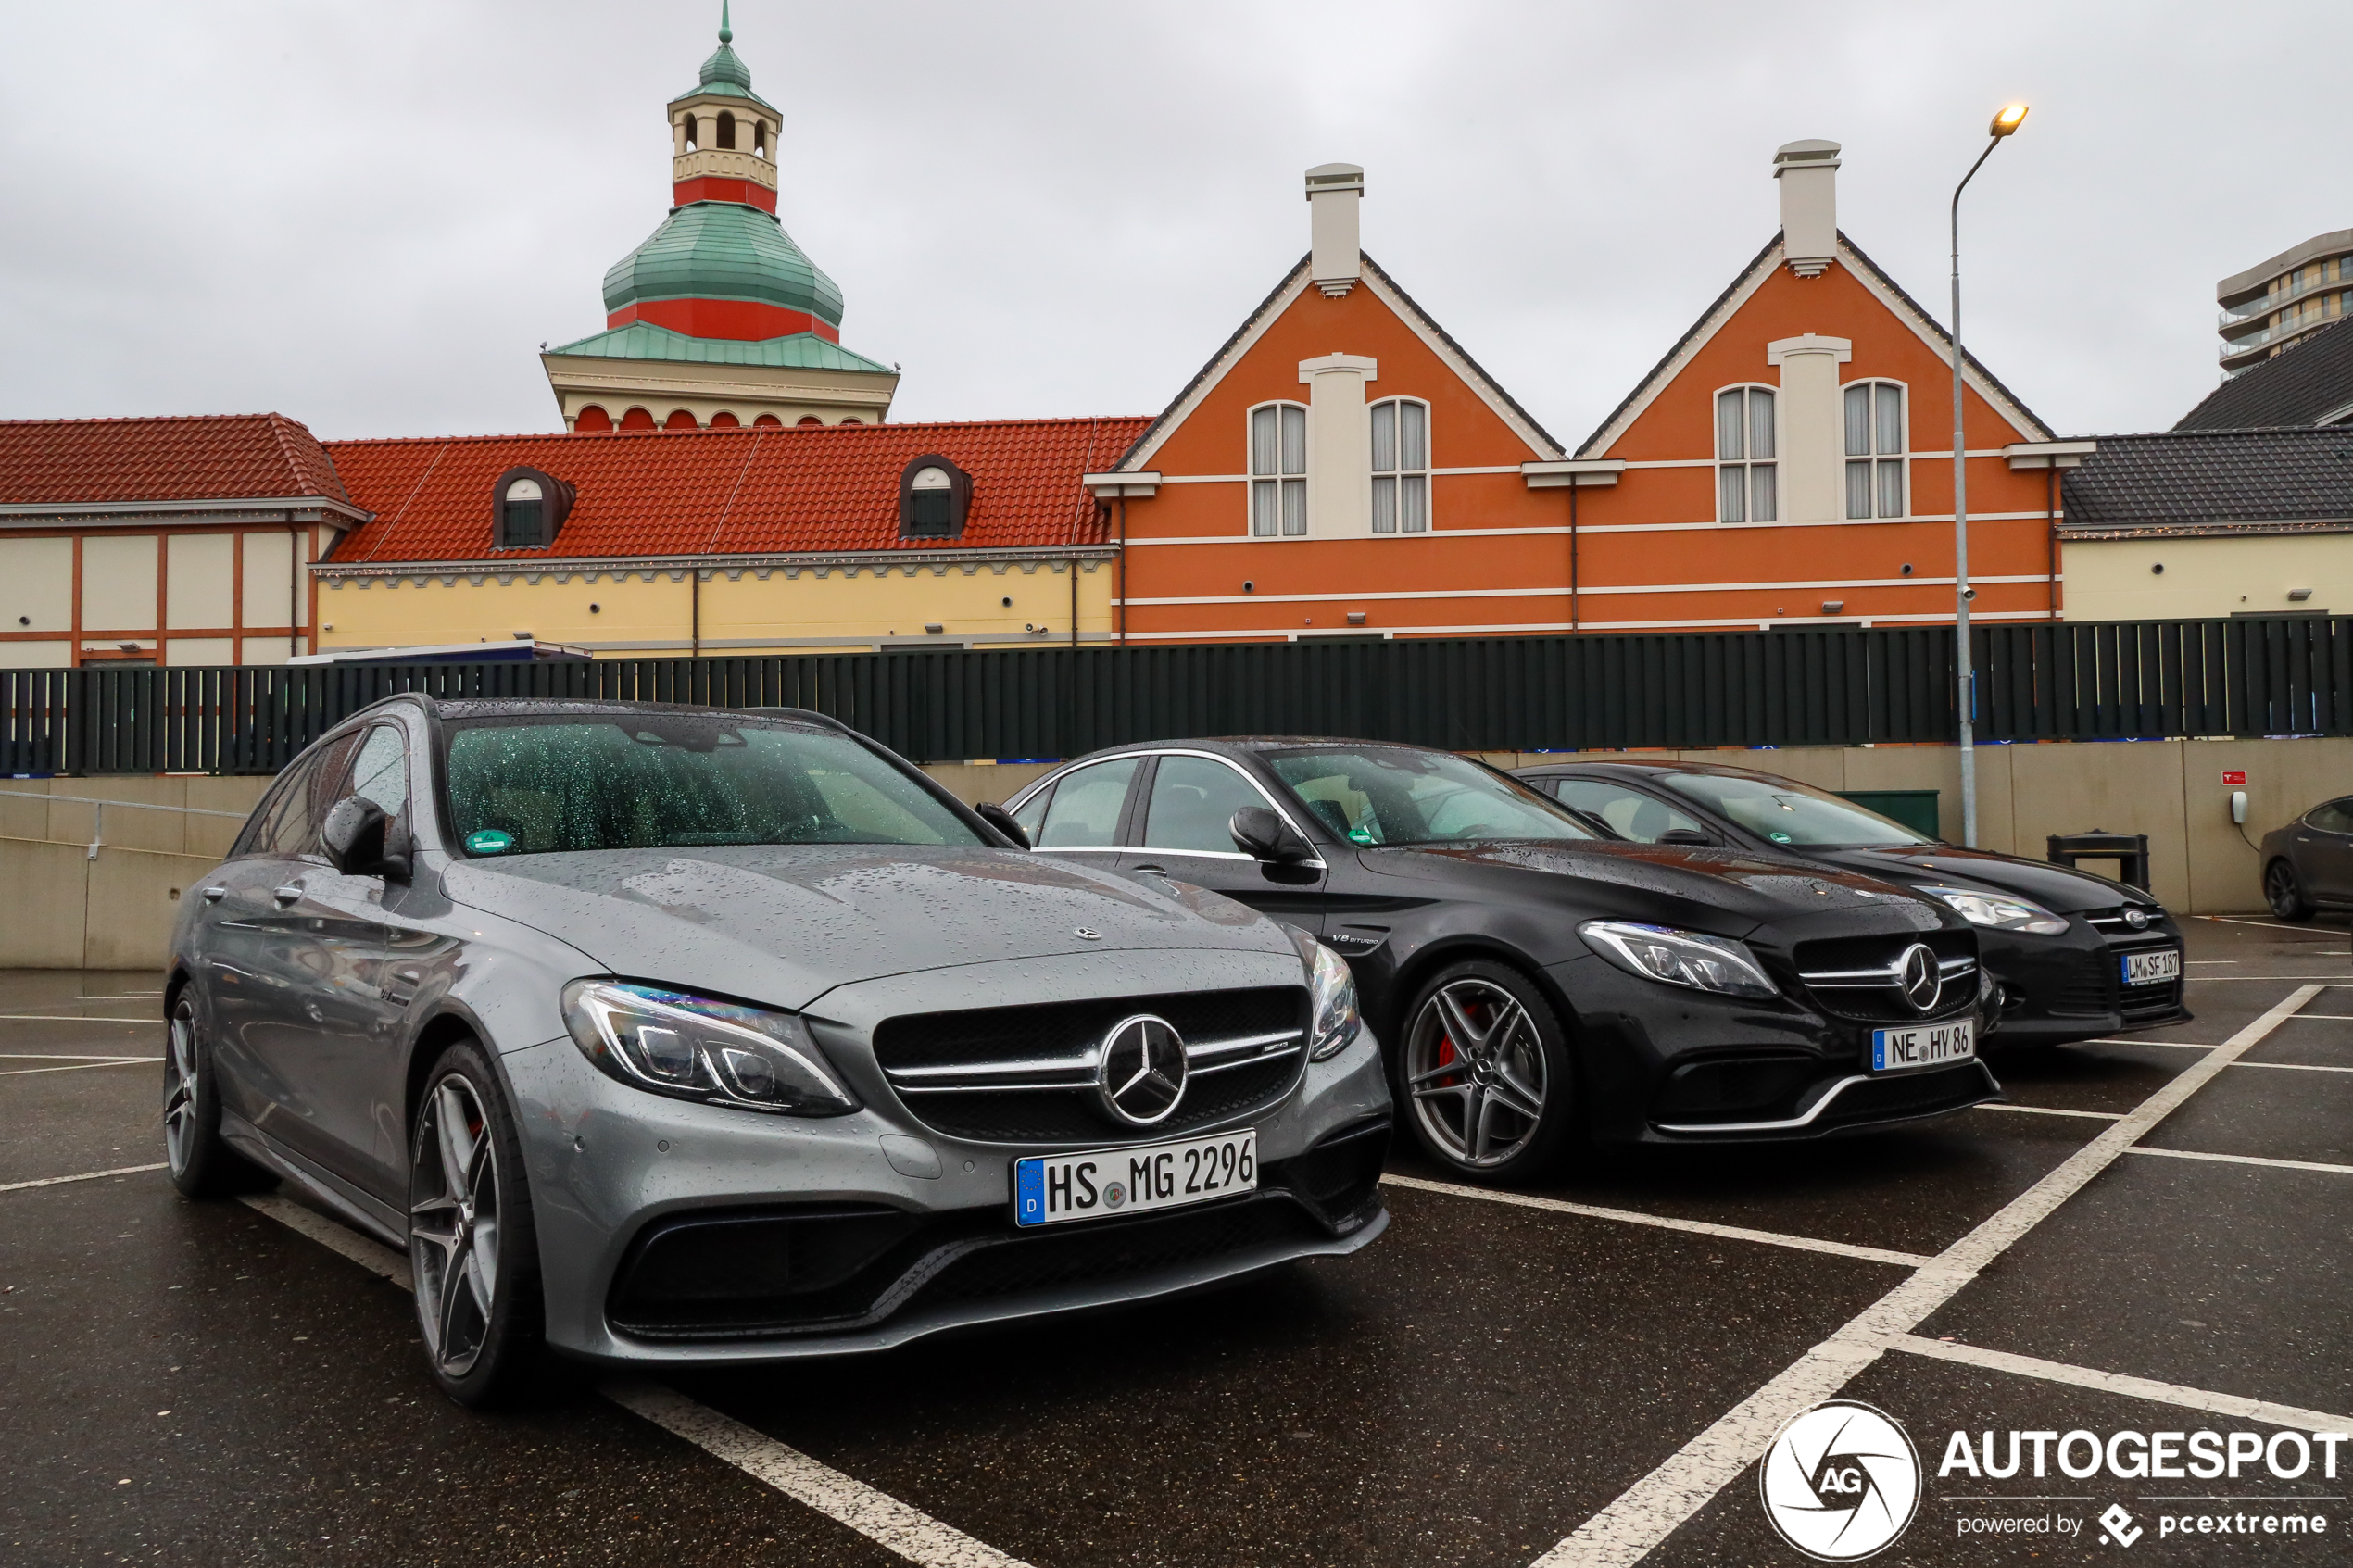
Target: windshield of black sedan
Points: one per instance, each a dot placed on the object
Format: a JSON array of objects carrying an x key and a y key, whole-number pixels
[
  {"x": 1784, "y": 811},
  {"x": 1375, "y": 795},
  {"x": 634, "y": 781}
]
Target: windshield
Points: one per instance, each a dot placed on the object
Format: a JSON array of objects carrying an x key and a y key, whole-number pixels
[
  {"x": 1375, "y": 795},
  {"x": 1788, "y": 812},
  {"x": 530, "y": 786}
]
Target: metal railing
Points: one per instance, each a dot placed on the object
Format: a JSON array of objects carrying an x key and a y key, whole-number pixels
[{"x": 98, "y": 826}]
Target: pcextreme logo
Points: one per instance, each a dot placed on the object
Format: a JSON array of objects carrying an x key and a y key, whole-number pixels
[{"x": 1841, "y": 1481}]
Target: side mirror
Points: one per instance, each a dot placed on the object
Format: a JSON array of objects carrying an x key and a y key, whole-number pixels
[
  {"x": 355, "y": 836},
  {"x": 997, "y": 817},
  {"x": 1263, "y": 836},
  {"x": 1687, "y": 835}
]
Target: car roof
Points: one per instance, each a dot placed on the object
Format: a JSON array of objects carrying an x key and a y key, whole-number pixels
[
  {"x": 1644, "y": 765},
  {"x": 564, "y": 707}
]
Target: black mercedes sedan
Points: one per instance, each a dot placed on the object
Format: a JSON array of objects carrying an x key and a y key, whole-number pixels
[
  {"x": 2073, "y": 955},
  {"x": 1536, "y": 986},
  {"x": 2307, "y": 865}
]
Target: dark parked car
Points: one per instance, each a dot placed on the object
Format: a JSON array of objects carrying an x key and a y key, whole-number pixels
[
  {"x": 2076, "y": 955},
  {"x": 2307, "y": 865},
  {"x": 1535, "y": 984}
]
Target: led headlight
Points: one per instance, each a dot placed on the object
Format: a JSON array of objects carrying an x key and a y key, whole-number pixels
[
  {"x": 694, "y": 1047},
  {"x": 2004, "y": 911},
  {"x": 1679, "y": 958},
  {"x": 1332, "y": 991}
]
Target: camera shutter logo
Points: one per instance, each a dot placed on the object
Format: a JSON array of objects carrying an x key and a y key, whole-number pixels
[
  {"x": 1842, "y": 1481},
  {"x": 1922, "y": 981},
  {"x": 1140, "y": 1075}
]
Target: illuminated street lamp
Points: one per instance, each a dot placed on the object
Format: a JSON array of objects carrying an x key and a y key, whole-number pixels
[{"x": 2004, "y": 122}]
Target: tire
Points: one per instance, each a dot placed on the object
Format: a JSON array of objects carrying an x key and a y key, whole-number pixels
[
  {"x": 2284, "y": 894},
  {"x": 473, "y": 1252},
  {"x": 200, "y": 1162},
  {"x": 1515, "y": 1113}
]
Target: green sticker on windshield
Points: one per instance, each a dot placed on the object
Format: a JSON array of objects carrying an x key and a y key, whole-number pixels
[
  {"x": 1360, "y": 836},
  {"x": 489, "y": 841},
  {"x": 1777, "y": 837}
]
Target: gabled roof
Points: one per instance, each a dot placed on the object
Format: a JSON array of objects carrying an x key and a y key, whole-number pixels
[
  {"x": 1736, "y": 294},
  {"x": 2188, "y": 482},
  {"x": 1254, "y": 325},
  {"x": 729, "y": 492},
  {"x": 798, "y": 351},
  {"x": 2304, "y": 385},
  {"x": 86, "y": 464}
]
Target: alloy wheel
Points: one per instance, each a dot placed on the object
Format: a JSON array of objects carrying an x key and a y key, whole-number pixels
[
  {"x": 179, "y": 1069},
  {"x": 453, "y": 1224},
  {"x": 1475, "y": 1070}
]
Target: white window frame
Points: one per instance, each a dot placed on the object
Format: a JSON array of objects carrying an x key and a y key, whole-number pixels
[
  {"x": 1395, "y": 486},
  {"x": 1889, "y": 454},
  {"x": 1749, "y": 467},
  {"x": 1277, "y": 496}
]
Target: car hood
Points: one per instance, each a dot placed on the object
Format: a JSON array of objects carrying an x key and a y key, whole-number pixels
[
  {"x": 1735, "y": 888},
  {"x": 785, "y": 923},
  {"x": 2059, "y": 888}
]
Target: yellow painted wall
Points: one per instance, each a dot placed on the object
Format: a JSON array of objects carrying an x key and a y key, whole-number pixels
[
  {"x": 741, "y": 613},
  {"x": 2111, "y": 579}
]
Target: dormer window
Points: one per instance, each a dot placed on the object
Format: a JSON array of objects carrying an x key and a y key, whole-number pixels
[
  {"x": 527, "y": 508},
  {"x": 934, "y": 495}
]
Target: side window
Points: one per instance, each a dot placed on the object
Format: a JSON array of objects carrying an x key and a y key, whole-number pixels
[
  {"x": 2335, "y": 817},
  {"x": 1032, "y": 815},
  {"x": 1627, "y": 813},
  {"x": 1193, "y": 799},
  {"x": 1084, "y": 813},
  {"x": 256, "y": 835},
  {"x": 294, "y": 829},
  {"x": 380, "y": 771}
]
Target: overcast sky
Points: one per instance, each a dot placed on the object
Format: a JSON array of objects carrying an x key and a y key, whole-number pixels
[{"x": 368, "y": 217}]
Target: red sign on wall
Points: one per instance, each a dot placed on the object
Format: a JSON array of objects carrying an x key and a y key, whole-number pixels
[{"x": 2234, "y": 776}]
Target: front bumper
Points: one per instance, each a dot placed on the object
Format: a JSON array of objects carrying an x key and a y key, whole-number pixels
[{"x": 2069, "y": 987}]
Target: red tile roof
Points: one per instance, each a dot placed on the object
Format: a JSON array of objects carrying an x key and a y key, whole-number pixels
[
  {"x": 201, "y": 458},
  {"x": 730, "y": 491}
]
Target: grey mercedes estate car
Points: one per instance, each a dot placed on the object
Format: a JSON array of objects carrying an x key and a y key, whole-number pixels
[{"x": 664, "y": 1034}]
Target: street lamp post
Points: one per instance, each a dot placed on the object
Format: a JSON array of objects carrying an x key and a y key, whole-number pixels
[{"x": 2004, "y": 123}]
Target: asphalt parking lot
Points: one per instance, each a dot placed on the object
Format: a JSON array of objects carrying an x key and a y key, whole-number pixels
[{"x": 2150, "y": 1234}]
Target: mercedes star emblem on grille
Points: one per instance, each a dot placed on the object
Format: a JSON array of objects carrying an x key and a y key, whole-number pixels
[
  {"x": 1141, "y": 1076},
  {"x": 1923, "y": 983}
]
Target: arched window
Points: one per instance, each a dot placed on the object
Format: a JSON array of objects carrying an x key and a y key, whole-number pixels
[
  {"x": 760, "y": 137},
  {"x": 1400, "y": 466},
  {"x": 694, "y": 141},
  {"x": 1876, "y": 441},
  {"x": 680, "y": 419},
  {"x": 724, "y": 420},
  {"x": 769, "y": 422},
  {"x": 934, "y": 495},
  {"x": 809, "y": 419},
  {"x": 853, "y": 421},
  {"x": 593, "y": 418},
  {"x": 637, "y": 419},
  {"x": 1279, "y": 470},
  {"x": 1746, "y": 472},
  {"x": 727, "y": 137},
  {"x": 527, "y": 506}
]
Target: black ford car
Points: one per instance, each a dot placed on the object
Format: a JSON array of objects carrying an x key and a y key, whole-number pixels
[
  {"x": 2073, "y": 955},
  {"x": 1537, "y": 985}
]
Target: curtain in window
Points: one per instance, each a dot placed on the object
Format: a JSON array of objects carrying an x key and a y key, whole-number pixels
[
  {"x": 1279, "y": 470},
  {"x": 1401, "y": 465},
  {"x": 1874, "y": 450}
]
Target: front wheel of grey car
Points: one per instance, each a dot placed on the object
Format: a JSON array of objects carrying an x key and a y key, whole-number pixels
[
  {"x": 2284, "y": 894},
  {"x": 1485, "y": 1074},
  {"x": 473, "y": 1251},
  {"x": 200, "y": 1162}
]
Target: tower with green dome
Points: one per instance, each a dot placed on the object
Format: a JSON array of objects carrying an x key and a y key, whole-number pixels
[{"x": 719, "y": 318}]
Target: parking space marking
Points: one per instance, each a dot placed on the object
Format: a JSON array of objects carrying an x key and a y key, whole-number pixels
[
  {"x": 2117, "y": 1383},
  {"x": 85, "y": 1176},
  {"x": 2051, "y": 1110},
  {"x": 2293, "y": 1066},
  {"x": 81, "y": 1066},
  {"x": 1654, "y": 1508},
  {"x": 1637, "y": 1217},
  {"x": 2177, "y": 1044},
  {"x": 876, "y": 1515},
  {"x": 73, "y": 1056},
  {"x": 2325, "y": 1017},
  {"x": 2245, "y": 1159},
  {"x": 67, "y": 1017}
]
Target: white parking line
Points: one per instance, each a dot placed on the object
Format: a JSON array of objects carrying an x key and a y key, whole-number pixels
[
  {"x": 85, "y": 1176},
  {"x": 876, "y": 1515},
  {"x": 1637, "y": 1217},
  {"x": 73, "y": 1056},
  {"x": 67, "y": 1017},
  {"x": 1647, "y": 1513},
  {"x": 2325, "y": 1017},
  {"x": 2117, "y": 1383},
  {"x": 2177, "y": 1044},
  {"x": 79, "y": 1066},
  {"x": 2245, "y": 1159},
  {"x": 2051, "y": 1110},
  {"x": 2292, "y": 1067}
]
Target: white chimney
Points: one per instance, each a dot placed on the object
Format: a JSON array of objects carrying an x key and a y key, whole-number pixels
[
  {"x": 1334, "y": 191},
  {"x": 1808, "y": 173}
]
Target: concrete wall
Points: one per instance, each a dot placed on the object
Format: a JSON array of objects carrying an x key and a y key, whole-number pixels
[{"x": 63, "y": 908}]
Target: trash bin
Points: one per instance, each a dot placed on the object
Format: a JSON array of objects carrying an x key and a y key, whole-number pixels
[{"x": 2129, "y": 851}]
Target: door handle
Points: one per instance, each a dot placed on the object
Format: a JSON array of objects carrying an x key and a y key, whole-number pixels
[
  {"x": 214, "y": 895},
  {"x": 287, "y": 894}
]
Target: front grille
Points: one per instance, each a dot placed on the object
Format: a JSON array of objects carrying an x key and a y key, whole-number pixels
[
  {"x": 1027, "y": 1075},
  {"x": 1860, "y": 977},
  {"x": 2086, "y": 992}
]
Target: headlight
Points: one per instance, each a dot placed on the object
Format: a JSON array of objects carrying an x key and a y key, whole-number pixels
[
  {"x": 1679, "y": 958},
  {"x": 2002, "y": 910},
  {"x": 721, "y": 1053},
  {"x": 1333, "y": 999}
]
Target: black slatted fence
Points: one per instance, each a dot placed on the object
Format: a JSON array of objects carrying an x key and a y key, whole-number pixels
[{"x": 1835, "y": 686}]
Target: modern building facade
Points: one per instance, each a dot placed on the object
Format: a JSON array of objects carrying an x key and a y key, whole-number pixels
[{"x": 2278, "y": 304}]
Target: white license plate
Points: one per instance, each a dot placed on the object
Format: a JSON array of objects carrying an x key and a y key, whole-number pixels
[
  {"x": 1049, "y": 1189},
  {"x": 1929, "y": 1045},
  {"x": 2147, "y": 969}
]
